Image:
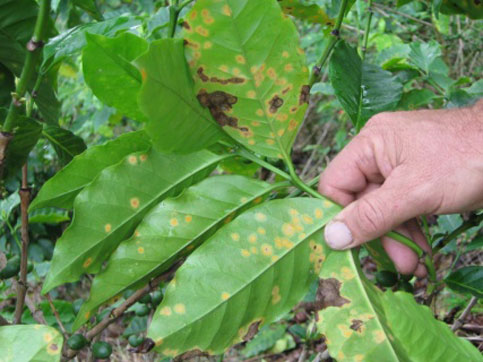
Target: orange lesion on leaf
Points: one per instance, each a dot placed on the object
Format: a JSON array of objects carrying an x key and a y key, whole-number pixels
[
  {"x": 202, "y": 31},
  {"x": 134, "y": 202},
  {"x": 292, "y": 125},
  {"x": 226, "y": 10},
  {"x": 261, "y": 231},
  {"x": 240, "y": 59},
  {"x": 288, "y": 67},
  {"x": 166, "y": 311},
  {"x": 245, "y": 253},
  {"x": 254, "y": 250},
  {"x": 133, "y": 160},
  {"x": 180, "y": 308},
  {"x": 87, "y": 262},
  {"x": 188, "y": 218},
  {"x": 252, "y": 238},
  {"x": 53, "y": 349},
  {"x": 143, "y": 74},
  {"x": 266, "y": 249},
  {"x": 276, "y": 297},
  {"x": 141, "y": 250},
  {"x": 174, "y": 222}
]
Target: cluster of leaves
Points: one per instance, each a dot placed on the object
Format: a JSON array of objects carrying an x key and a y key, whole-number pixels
[{"x": 210, "y": 97}]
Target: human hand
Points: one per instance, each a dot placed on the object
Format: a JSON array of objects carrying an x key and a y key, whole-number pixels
[{"x": 403, "y": 165}]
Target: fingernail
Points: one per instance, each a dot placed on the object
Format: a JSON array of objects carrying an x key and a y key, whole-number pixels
[{"x": 337, "y": 235}]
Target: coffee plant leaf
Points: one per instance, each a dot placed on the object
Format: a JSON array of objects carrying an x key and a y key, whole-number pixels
[
  {"x": 27, "y": 134},
  {"x": 360, "y": 322},
  {"x": 72, "y": 42},
  {"x": 423, "y": 55},
  {"x": 362, "y": 89},
  {"x": 249, "y": 71},
  {"x": 472, "y": 9},
  {"x": 108, "y": 210},
  {"x": 30, "y": 343},
  {"x": 49, "y": 215},
  {"x": 63, "y": 187},
  {"x": 107, "y": 68},
  {"x": 248, "y": 274},
  {"x": 66, "y": 144},
  {"x": 311, "y": 13},
  {"x": 467, "y": 280},
  {"x": 173, "y": 228},
  {"x": 177, "y": 121}
]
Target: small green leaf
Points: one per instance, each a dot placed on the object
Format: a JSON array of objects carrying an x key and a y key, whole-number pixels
[
  {"x": 363, "y": 89},
  {"x": 7, "y": 85},
  {"x": 48, "y": 216},
  {"x": 109, "y": 209},
  {"x": 66, "y": 144},
  {"x": 107, "y": 68},
  {"x": 175, "y": 226},
  {"x": 471, "y": 8},
  {"x": 61, "y": 189},
  {"x": 311, "y": 13},
  {"x": 415, "y": 99},
  {"x": 468, "y": 279},
  {"x": 177, "y": 122},
  {"x": 360, "y": 322},
  {"x": 264, "y": 340},
  {"x": 423, "y": 55},
  {"x": 248, "y": 274},
  {"x": 22, "y": 343},
  {"x": 249, "y": 71},
  {"x": 8, "y": 204}
]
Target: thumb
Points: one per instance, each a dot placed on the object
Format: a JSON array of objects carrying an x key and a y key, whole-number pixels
[{"x": 373, "y": 215}]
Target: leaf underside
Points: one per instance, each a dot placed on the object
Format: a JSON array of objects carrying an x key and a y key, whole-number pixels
[
  {"x": 108, "y": 210},
  {"x": 311, "y": 13},
  {"x": 248, "y": 71},
  {"x": 249, "y": 273},
  {"x": 176, "y": 226}
]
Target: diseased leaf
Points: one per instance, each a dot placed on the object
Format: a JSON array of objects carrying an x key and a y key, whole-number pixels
[
  {"x": 66, "y": 144},
  {"x": 61, "y": 189},
  {"x": 23, "y": 343},
  {"x": 311, "y": 13},
  {"x": 106, "y": 63},
  {"x": 249, "y": 71},
  {"x": 175, "y": 226},
  {"x": 109, "y": 209},
  {"x": 247, "y": 275},
  {"x": 468, "y": 279},
  {"x": 177, "y": 122},
  {"x": 360, "y": 322},
  {"x": 362, "y": 89}
]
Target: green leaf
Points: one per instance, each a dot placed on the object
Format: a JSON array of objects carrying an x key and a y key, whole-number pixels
[
  {"x": 8, "y": 204},
  {"x": 25, "y": 138},
  {"x": 249, "y": 71},
  {"x": 7, "y": 86},
  {"x": 362, "y": 89},
  {"x": 415, "y": 99},
  {"x": 90, "y": 7},
  {"x": 48, "y": 216},
  {"x": 66, "y": 144},
  {"x": 175, "y": 226},
  {"x": 177, "y": 122},
  {"x": 311, "y": 13},
  {"x": 109, "y": 209},
  {"x": 61, "y": 189},
  {"x": 106, "y": 63},
  {"x": 468, "y": 279},
  {"x": 73, "y": 41},
  {"x": 248, "y": 274},
  {"x": 422, "y": 55},
  {"x": 471, "y": 8},
  {"x": 23, "y": 343},
  {"x": 361, "y": 323},
  {"x": 264, "y": 340}
]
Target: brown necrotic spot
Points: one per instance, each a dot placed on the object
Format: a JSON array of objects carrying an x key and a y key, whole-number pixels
[
  {"x": 219, "y": 103},
  {"x": 186, "y": 25},
  {"x": 304, "y": 95},
  {"x": 205, "y": 78},
  {"x": 252, "y": 330},
  {"x": 328, "y": 294},
  {"x": 275, "y": 103},
  {"x": 356, "y": 325}
]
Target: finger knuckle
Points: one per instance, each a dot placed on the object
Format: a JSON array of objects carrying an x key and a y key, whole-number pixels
[{"x": 370, "y": 217}]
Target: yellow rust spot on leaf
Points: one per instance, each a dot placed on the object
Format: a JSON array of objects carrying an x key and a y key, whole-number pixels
[
  {"x": 286, "y": 243},
  {"x": 235, "y": 236},
  {"x": 226, "y": 10},
  {"x": 141, "y": 250},
  {"x": 166, "y": 311},
  {"x": 274, "y": 258},
  {"x": 223, "y": 68},
  {"x": 257, "y": 200},
  {"x": 288, "y": 229},
  {"x": 285, "y": 54},
  {"x": 292, "y": 125},
  {"x": 188, "y": 218},
  {"x": 159, "y": 341},
  {"x": 251, "y": 142},
  {"x": 245, "y": 253},
  {"x": 180, "y": 308},
  {"x": 319, "y": 213},
  {"x": 252, "y": 238},
  {"x": 53, "y": 349},
  {"x": 266, "y": 249},
  {"x": 87, "y": 263},
  {"x": 134, "y": 202},
  {"x": 133, "y": 160},
  {"x": 143, "y": 74},
  {"x": 170, "y": 352},
  {"x": 143, "y": 158},
  {"x": 270, "y": 141},
  {"x": 346, "y": 331},
  {"x": 47, "y": 337},
  {"x": 259, "y": 216},
  {"x": 358, "y": 358},
  {"x": 282, "y": 117},
  {"x": 379, "y": 336},
  {"x": 261, "y": 231},
  {"x": 288, "y": 67},
  {"x": 240, "y": 59},
  {"x": 278, "y": 242},
  {"x": 307, "y": 219},
  {"x": 347, "y": 273},
  {"x": 193, "y": 15},
  {"x": 207, "y": 45},
  {"x": 276, "y": 297},
  {"x": 202, "y": 31},
  {"x": 225, "y": 295},
  {"x": 174, "y": 222},
  {"x": 260, "y": 112},
  {"x": 251, "y": 94},
  {"x": 254, "y": 250}
]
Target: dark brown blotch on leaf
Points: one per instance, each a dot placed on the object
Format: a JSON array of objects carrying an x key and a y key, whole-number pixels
[
  {"x": 304, "y": 95},
  {"x": 186, "y": 25},
  {"x": 206, "y": 78},
  {"x": 275, "y": 103},
  {"x": 147, "y": 345},
  {"x": 252, "y": 330},
  {"x": 219, "y": 103},
  {"x": 328, "y": 294},
  {"x": 356, "y": 325}
]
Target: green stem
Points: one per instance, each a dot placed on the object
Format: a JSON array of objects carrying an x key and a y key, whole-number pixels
[
  {"x": 34, "y": 54},
  {"x": 184, "y": 4},
  {"x": 249, "y": 156},
  {"x": 173, "y": 20},
  {"x": 368, "y": 28},
  {"x": 472, "y": 222},
  {"x": 330, "y": 45}
]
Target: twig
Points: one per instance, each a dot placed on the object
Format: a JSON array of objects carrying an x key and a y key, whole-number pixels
[
  {"x": 24, "y": 231},
  {"x": 387, "y": 8},
  {"x": 368, "y": 28},
  {"x": 37, "y": 314},
  {"x": 57, "y": 316},
  {"x": 321, "y": 139},
  {"x": 473, "y": 221},
  {"x": 119, "y": 311},
  {"x": 459, "y": 322}
]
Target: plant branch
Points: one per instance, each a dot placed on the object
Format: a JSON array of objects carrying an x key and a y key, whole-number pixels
[
  {"x": 459, "y": 322},
  {"x": 473, "y": 221},
  {"x": 24, "y": 231},
  {"x": 119, "y": 311},
  {"x": 387, "y": 8},
  {"x": 335, "y": 36},
  {"x": 56, "y": 315},
  {"x": 368, "y": 28}
]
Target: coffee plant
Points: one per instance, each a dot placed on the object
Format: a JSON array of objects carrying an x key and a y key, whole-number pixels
[{"x": 196, "y": 219}]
